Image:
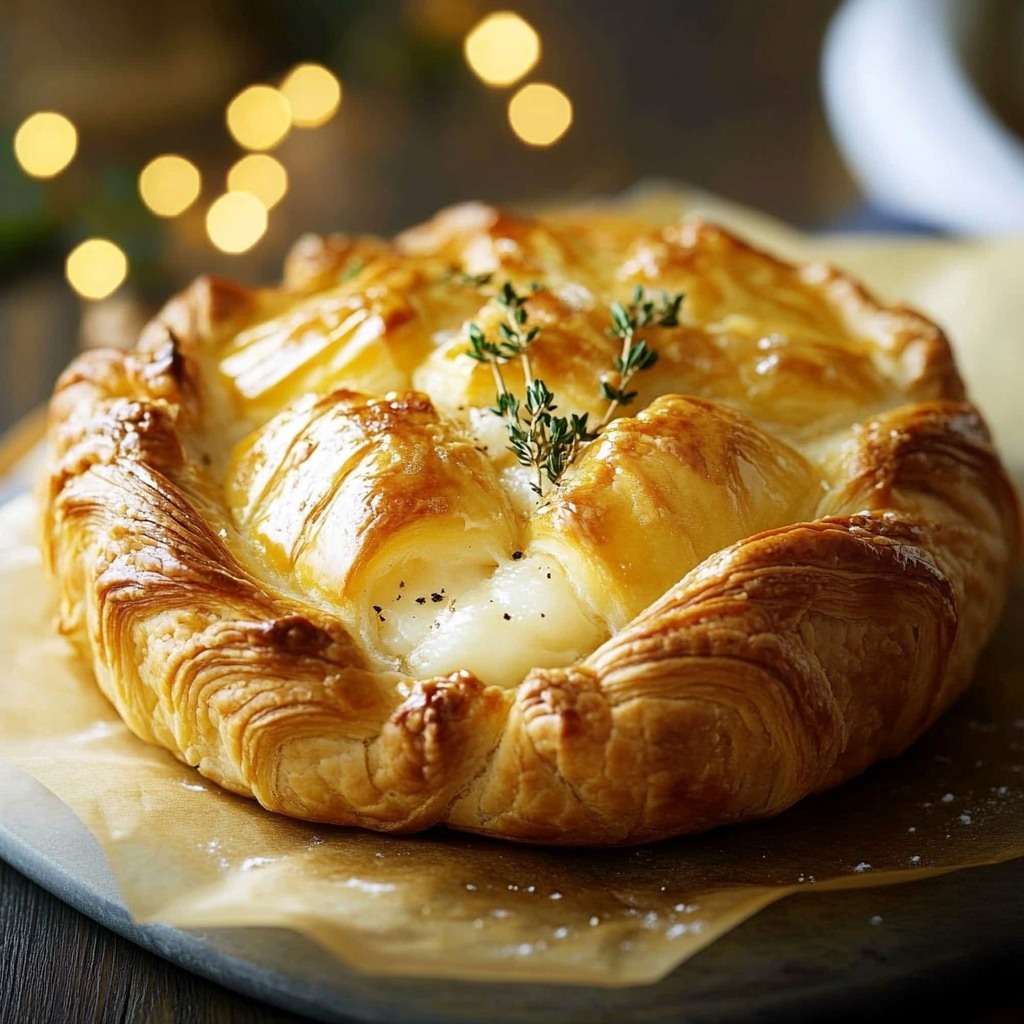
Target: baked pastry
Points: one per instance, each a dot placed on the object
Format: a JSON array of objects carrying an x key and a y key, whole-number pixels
[{"x": 290, "y": 534}]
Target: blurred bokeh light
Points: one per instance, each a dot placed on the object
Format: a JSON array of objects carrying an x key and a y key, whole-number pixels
[
  {"x": 313, "y": 94},
  {"x": 169, "y": 185},
  {"x": 540, "y": 114},
  {"x": 262, "y": 175},
  {"x": 502, "y": 48},
  {"x": 236, "y": 221},
  {"x": 45, "y": 143},
  {"x": 96, "y": 268},
  {"x": 259, "y": 117}
]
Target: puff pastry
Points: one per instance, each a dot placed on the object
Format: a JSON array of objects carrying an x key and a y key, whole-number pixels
[{"x": 289, "y": 536}]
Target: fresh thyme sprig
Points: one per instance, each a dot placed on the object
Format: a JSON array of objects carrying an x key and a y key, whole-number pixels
[
  {"x": 516, "y": 337},
  {"x": 538, "y": 438},
  {"x": 635, "y": 355}
]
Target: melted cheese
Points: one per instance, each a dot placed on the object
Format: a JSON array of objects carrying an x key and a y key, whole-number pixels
[{"x": 498, "y": 623}]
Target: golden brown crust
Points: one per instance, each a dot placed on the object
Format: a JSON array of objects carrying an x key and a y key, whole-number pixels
[{"x": 781, "y": 565}]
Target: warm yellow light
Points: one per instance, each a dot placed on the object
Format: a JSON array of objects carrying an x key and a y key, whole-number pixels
[
  {"x": 96, "y": 268},
  {"x": 502, "y": 48},
  {"x": 313, "y": 93},
  {"x": 261, "y": 175},
  {"x": 236, "y": 221},
  {"x": 540, "y": 114},
  {"x": 45, "y": 144},
  {"x": 259, "y": 117},
  {"x": 169, "y": 185}
]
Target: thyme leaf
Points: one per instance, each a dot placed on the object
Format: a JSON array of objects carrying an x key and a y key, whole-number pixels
[
  {"x": 635, "y": 355},
  {"x": 470, "y": 280},
  {"x": 539, "y": 439},
  {"x": 353, "y": 268}
]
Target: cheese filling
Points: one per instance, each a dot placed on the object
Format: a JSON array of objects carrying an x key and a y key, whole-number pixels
[{"x": 498, "y": 622}]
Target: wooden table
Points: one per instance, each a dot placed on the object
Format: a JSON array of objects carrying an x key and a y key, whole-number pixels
[{"x": 57, "y": 965}]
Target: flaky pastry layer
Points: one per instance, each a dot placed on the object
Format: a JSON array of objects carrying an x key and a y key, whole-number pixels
[{"x": 289, "y": 535}]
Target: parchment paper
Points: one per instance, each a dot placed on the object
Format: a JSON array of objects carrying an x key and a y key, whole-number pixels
[{"x": 449, "y": 905}]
